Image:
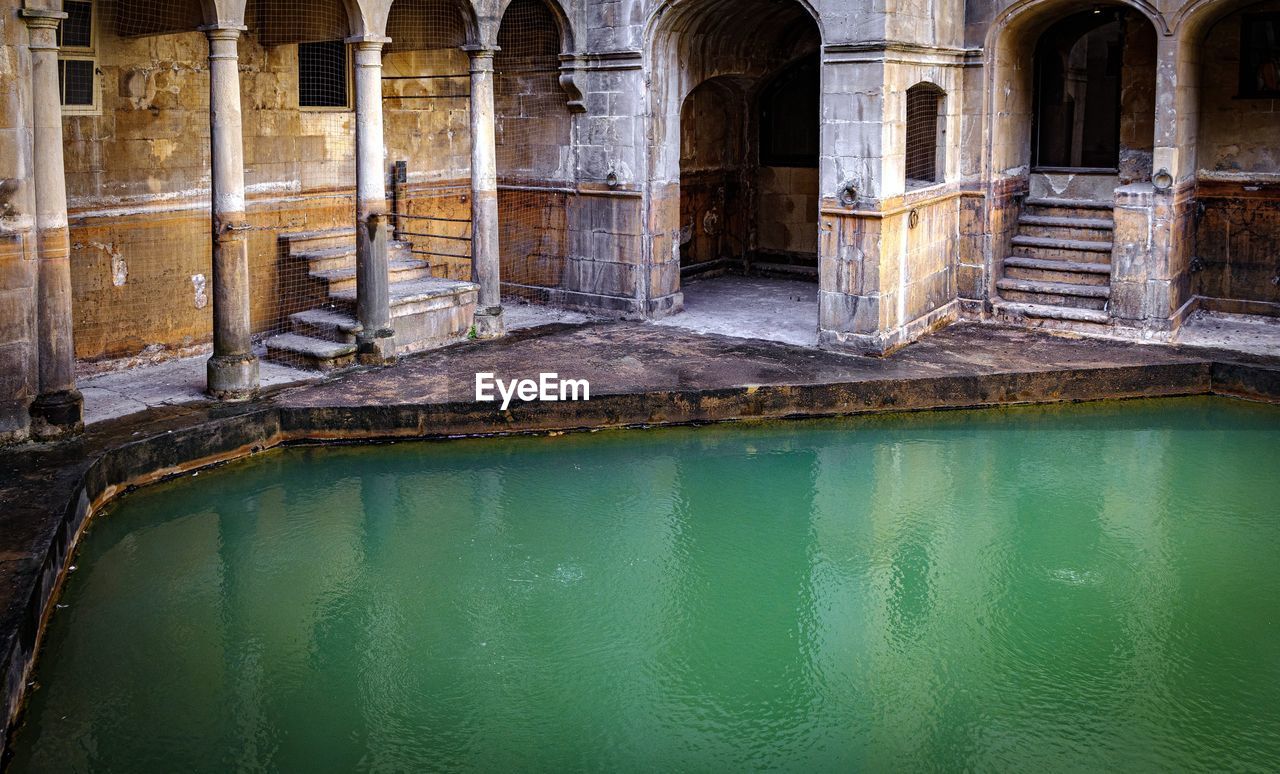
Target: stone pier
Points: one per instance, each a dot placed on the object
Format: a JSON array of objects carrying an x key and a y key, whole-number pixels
[
  {"x": 376, "y": 339},
  {"x": 58, "y": 408},
  {"x": 485, "y": 265},
  {"x": 233, "y": 369}
]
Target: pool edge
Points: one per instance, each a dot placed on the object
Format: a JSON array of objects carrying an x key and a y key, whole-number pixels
[{"x": 181, "y": 441}]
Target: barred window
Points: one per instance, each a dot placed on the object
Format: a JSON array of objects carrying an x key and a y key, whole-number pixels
[
  {"x": 925, "y": 134},
  {"x": 77, "y": 63},
  {"x": 322, "y": 75}
]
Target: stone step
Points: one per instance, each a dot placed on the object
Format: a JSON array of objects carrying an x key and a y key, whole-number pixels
[
  {"x": 1054, "y": 312},
  {"x": 344, "y": 256},
  {"x": 1071, "y": 272},
  {"x": 328, "y": 258},
  {"x": 1050, "y": 249},
  {"x": 1048, "y": 243},
  {"x": 1072, "y": 208},
  {"x": 1054, "y": 288},
  {"x": 399, "y": 270},
  {"x": 327, "y": 324},
  {"x": 1068, "y": 228},
  {"x": 417, "y": 295},
  {"x": 296, "y": 242},
  {"x": 1066, "y": 221},
  {"x": 1054, "y": 293},
  {"x": 310, "y": 353}
]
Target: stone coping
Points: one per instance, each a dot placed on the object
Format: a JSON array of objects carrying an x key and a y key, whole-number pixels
[{"x": 641, "y": 376}]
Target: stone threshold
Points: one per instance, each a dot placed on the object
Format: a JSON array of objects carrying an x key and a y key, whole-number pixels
[{"x": 48, "y": 494}]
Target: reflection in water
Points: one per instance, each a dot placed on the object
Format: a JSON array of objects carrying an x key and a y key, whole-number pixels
[{"x": 1087, "y": 587}]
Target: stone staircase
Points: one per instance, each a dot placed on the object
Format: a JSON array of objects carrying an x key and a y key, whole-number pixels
[
  {"x": 426, "y": 311},
  {"x": 1060, "y": 267}
]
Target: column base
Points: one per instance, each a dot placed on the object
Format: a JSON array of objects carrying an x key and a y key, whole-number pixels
[
  {"x": 232, "y": 377},
  {"x": 57, "y": 415},
  {"x": 380, "y": 349},
  {"x": 490, "y": 323}
]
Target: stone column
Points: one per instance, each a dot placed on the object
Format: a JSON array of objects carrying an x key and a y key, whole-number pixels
[
  {"x": 233, "y": 369},
  {"x": 484, "y": 196},
  {"x": 58, "y": 409},
  {"x": 376, "y": 338}
]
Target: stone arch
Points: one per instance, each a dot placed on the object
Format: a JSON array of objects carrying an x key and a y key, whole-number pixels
[
  {"x": 1228, "y": 157},
  {"x": 1010, "y": 46},
  {"x": 381, "y": 15},
  {"x": 1193, "y": 19},
  {"x": 691, "y": 42},
  {"x": 568, "y": 40}
]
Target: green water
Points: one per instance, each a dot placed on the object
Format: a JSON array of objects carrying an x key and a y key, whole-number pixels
[{"x": 1079, "y": 588}]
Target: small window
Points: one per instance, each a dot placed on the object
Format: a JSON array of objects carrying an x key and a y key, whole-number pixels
[
  {"x": 924, "y": 134},
  {"x": 77, "y": 65},
  {"x": 322, "y": 75}
]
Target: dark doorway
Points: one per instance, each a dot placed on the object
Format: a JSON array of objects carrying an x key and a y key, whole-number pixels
[
  {"x": 1079, "y": 63},
  {"x": 749, "y": 173}
]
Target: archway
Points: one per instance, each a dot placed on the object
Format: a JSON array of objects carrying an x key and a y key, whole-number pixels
[
  {"x": 1094, "y": 99},
  {"x": 1235, "y": 155},
  {"x": 734, "y": 168},
  {"x": 534, "y": 125},
  {"x": 1072, "y": 100}
]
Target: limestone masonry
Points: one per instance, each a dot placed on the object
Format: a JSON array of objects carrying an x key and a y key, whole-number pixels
[{"x": 332, "y": 182}]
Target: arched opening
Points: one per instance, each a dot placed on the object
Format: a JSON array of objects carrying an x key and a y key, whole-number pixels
[
  {"x": 1094, "y": 98},
  {"x": 533, "y": 126},
  {"x": 136, "y": 158},
  {"x": 1235, "y": 267},
  {"x": 426, "y": 111},
  {"x": 735, "y": 171},
  {"x": 714, "y": 175},
  {"x": 1072, "y": 128}
]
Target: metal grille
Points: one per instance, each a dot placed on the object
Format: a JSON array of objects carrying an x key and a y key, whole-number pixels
[
  {"x": 535, "y": 170},
  {"x": 924, "y": 138},
  {"x": 138, "y": 173},
  {"x": 426, "y": 92}
]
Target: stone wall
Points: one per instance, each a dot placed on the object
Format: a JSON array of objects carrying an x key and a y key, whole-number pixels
[
  {"x": 1237, "y": 239},
  {"x": 787, "y": 220}
]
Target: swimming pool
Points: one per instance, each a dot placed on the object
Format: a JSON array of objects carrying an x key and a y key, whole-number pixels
[{"x": 1074, "y": 587}]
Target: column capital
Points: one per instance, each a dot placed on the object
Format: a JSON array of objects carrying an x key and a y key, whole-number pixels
[
  {"x": 43, "y": 27},
  {"x": 481, "y": 58},
  {"x": 39, "y": 17},
  {"x": 368, "y": 42},
  {"x": 223, "y": 31}
]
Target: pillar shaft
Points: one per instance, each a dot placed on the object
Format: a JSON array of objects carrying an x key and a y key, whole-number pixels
[
  {"x": 484, "y": 196},
  {"x": 373, "y": 304},
  {"x": 233, "y": 369},
  {"x": 58, "y": 409}
]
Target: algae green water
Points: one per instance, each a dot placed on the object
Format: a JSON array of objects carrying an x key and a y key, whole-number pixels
[{"x": 1045, "y": 589}]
